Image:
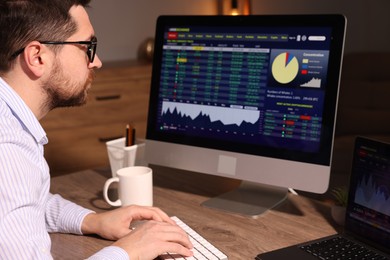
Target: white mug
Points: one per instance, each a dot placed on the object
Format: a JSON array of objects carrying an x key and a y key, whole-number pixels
[{"x": 135, "y": 186}]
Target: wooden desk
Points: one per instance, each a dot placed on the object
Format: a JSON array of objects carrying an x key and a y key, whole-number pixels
[{"x": 296, "y": 220}]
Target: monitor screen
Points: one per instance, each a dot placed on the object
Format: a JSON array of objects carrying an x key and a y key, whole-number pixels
[{"x": 247, "y": 97}]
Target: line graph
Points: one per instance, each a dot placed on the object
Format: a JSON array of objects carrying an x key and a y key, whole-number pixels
[
  {"x": 225, "y": 115},
  {"x": 373, "y": 195}
]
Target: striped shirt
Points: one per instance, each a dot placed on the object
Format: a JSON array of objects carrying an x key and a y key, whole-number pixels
[{"x": 28, "y": 211}]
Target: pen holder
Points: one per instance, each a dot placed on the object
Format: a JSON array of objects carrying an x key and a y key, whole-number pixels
[{"x": 121, "y": 156}]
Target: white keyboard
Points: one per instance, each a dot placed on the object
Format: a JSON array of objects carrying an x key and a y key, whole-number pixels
[{"x": 202, "y": 248}]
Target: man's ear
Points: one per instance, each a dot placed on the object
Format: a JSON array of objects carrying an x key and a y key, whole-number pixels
[{"x": 36, "y": 58}]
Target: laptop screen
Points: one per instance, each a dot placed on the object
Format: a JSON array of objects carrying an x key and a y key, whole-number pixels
[{"x": 368, "y": 213}]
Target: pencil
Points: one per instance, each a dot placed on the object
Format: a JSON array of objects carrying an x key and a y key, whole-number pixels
[
  {"x": 133, "y": 136},
  {"x": 130, "y": 135}
]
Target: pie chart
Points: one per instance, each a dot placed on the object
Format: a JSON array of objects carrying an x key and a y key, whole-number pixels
[{"x": 285, "y": 68}]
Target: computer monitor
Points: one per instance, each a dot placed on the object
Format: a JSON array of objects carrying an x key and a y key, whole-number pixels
[{"x": 247, "y": 97}]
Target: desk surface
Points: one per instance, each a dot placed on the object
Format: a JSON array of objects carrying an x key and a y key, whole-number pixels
[{"x": 296, "y": 220}]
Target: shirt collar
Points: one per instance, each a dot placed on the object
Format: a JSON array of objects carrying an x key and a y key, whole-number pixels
[{"x": 22, "y": 112}]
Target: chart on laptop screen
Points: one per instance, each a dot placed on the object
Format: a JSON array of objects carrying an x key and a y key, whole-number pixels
[
  {"x": 368, "y": 213},
  {"x": 372, "y": 193},
  {"x": 255, "y": 85}
]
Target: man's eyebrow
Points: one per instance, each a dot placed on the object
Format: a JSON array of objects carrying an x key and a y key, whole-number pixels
[{"x": 90, "y": 37}]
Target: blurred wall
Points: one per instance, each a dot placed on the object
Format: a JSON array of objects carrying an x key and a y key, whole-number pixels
[{"x": 122, "y": 25}]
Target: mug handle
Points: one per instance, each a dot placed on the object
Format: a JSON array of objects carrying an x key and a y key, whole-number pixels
[{"x": 116, "y": 203}]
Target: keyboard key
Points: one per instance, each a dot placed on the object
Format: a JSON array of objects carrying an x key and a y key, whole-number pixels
[{"x": 340, "y": 248}]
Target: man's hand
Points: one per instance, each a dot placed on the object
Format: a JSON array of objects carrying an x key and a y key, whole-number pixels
[
  {"x": 154, "y": 237},
  {"x": 115, "y": 224}
]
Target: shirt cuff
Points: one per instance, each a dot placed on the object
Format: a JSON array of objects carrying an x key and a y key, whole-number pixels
[
  {"x": 64, "y": 216},
  {"x": 110, "y": 253}
]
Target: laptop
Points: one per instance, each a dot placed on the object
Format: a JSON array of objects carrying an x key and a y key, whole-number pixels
[{"x": 367, "y": 221}]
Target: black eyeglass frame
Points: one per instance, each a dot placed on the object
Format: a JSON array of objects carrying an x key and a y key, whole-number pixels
[{"x": 91, "y": 47}]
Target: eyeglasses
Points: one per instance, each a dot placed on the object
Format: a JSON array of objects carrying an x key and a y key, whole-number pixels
[{"x": 91, "y": 47}]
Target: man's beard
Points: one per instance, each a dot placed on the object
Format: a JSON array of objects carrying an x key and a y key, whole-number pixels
[{"x": 62, "y": 92}]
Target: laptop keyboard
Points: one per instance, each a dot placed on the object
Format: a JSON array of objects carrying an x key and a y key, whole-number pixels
[
  {"x": 202, "y": 248},
  {"x": 340, "y": 248}
]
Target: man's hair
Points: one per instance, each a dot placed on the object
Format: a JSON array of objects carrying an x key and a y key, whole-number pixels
[{"x": 24, "y": 21}]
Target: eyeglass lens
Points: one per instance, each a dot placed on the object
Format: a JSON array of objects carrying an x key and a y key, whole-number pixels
[{"x": 91, "y": 51}]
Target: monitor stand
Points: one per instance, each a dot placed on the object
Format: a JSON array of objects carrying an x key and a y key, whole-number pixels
[{"x": 251, "y": 199}]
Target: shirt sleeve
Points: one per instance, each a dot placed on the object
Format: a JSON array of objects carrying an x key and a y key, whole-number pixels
[{"x": 64, "y": 216}]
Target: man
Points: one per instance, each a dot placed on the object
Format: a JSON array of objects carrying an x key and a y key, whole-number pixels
[{"x": 47, "y": 58}]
